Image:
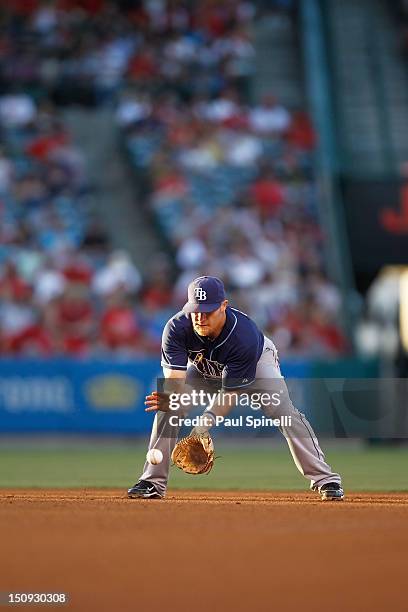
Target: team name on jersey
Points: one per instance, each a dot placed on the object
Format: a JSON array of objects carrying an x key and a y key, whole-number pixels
[{"x": 206, "y": 367}]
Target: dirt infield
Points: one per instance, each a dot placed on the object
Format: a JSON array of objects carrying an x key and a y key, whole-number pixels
[{"x": 202, "y": 551}]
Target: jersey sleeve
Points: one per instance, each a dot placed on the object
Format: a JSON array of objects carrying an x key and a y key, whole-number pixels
[
  {"x": 240, "y": 370},
  {"x": 173, "y": 349}
]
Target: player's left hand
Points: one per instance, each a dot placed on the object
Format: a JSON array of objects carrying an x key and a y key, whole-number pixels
[
  {"x": 194, "y": 454},
  {"x": 157, "y": 401}
]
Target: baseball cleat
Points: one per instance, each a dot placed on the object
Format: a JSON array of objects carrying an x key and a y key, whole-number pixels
[
  {"x": 331, "y": 491},
  {"x": 144, "y": 490}
]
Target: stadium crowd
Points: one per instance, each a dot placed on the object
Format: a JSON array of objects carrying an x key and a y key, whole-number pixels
[
  {"x": 231, "y": 182},
  {"x": 62, "y": 288}
]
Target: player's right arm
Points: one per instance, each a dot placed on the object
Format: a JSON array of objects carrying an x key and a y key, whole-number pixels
[
  {"x": 175, "y": 380},
  {"x": 174, "y": 362},
  {"x": 179, "y": 374}
]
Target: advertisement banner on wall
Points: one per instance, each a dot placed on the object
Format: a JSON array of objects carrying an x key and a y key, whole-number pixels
[
  {"x": 107, "y": 397},
  {"x": 67, "y": 395},
  {"x": 75, "y": 396}
]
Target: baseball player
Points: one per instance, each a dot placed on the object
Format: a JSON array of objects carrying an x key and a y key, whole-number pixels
[{"x": 211, "y": 341}]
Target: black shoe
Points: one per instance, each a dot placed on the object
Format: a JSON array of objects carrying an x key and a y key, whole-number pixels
[
  {"x": 144, "y": 489},
  {"x": 331, "y": 491}
]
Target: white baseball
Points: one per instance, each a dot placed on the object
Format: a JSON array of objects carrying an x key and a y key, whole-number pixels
[{"x": 154, "y": 456}]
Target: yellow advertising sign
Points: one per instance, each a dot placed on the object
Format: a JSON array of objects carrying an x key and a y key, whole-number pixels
[{"x": 112, "y": 392}]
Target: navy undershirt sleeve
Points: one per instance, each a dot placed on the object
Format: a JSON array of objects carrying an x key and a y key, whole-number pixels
[{"x": 174, "y": 350}]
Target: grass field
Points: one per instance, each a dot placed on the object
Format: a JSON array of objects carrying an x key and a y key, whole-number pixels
[{"x": 245, "y": 466}]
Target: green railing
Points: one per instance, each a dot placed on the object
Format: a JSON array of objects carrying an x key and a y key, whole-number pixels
[{"x": 330, "y": 205}]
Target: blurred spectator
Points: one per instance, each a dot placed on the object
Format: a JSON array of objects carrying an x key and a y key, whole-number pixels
[
  {"x": 267, "y": 194},
  {"x": 119, "y": 326},
  {"x": 49, "y": 284},
  {"x": 301, "y": 133},
  {"x": 131, "y": 109},
  {"x": 269, "y": 117},
  {"x": 118, "y": 273},
  {"x": 74, "y": 321},
  {"x": 16, "y": 110},
  {"x": 191, "y": 253},
  {"x": 244, "y": 270},
  {"x": 18, "y": 317}
]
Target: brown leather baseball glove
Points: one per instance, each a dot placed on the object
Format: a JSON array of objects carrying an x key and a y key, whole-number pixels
[{"x": 194, "y": 454}]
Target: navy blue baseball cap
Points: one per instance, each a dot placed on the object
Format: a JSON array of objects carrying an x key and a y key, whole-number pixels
[{"x": 205, "y": 294}]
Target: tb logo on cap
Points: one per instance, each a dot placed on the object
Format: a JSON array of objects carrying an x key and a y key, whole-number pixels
[{"x": 200, "y": 294}]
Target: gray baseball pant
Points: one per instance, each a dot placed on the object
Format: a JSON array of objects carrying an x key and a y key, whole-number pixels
[{"x": 303, "y": 444}]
